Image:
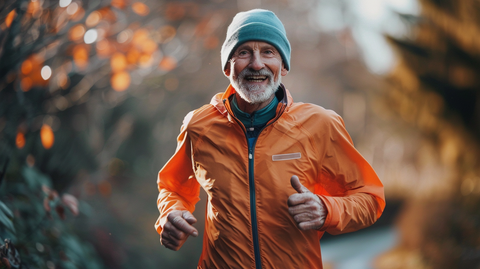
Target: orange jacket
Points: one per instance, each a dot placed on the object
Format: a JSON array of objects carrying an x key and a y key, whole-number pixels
[{"x": 304, "y": 140}]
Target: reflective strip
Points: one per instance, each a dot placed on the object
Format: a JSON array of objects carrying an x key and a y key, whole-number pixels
[{"x": 285, "y": 157}]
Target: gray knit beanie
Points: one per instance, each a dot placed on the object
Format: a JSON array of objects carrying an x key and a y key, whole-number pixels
[{"x": 258, "y": 25}]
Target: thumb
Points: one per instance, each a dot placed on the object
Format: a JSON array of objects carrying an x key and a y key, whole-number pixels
[{"x": 297, "y": 185}]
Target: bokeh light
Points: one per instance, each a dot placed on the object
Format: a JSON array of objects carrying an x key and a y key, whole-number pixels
[
  {"x": 120, "y": 81},
  {"x": 73, "y": 8},
  {"x": 104, "y": 48},
  {"x": 20, "y": 140},
  {"x": 80, "y": 55},
  {"x": 46, "y": 72},
  {"x": 124, "y": 36},
  {"x": 26, "y": 84},
  {"x": 168, "y": 63},
  {"x": 64, "y": 3},
  {"x": 77, "y": 32},
  {"x": 47, "y": 136},
  {"x": 27, "y": 67},
  {"x": 93, "y": 19},
  {"x": 118, "y": 62},
  {"x": 140, "y": 8},
  {"x": 90, "y": 36}
]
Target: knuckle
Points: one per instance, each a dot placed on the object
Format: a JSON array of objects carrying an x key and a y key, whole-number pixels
[
  {"x": 171, "y": 216},
  {"x": 176, "y": 219}
]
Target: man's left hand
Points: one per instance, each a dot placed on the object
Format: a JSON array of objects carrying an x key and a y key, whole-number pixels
[{"x": 306, "y": 208}]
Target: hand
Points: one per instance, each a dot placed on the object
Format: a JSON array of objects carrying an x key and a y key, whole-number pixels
[
  {"x": 306, "y": 208},
  {"x": 177, "y": 229}
]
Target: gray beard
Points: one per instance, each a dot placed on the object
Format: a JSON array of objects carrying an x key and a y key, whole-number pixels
[{"x": 255, "y": 94}]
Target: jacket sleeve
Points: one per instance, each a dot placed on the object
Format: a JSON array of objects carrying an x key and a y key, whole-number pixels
[
  {"x": 350, "y": 189},
  {"x": 178, "y": 188}
]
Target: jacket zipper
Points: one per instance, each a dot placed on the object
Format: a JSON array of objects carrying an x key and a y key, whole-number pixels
[
  {"x": 251, "y": 183},
  {"x": 253, "y": 204}
]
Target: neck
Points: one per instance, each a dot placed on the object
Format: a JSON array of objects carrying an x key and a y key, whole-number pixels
[{"x": 250, "y": 108}]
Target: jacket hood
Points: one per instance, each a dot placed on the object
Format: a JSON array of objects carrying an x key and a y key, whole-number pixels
[{"x": 219, "y": 99}]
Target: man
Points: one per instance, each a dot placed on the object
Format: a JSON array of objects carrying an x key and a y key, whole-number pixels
[{"x": 277, "y": 174}]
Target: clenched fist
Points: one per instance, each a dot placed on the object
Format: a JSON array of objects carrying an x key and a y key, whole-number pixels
[
  {"x": 177, "y": 229},
  {"x": 306, "y": 208}
]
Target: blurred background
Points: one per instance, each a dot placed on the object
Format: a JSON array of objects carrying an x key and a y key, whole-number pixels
[{"x": 93, "y": 93}]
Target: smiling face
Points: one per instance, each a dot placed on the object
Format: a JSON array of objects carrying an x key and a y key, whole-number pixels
[{"x": 255, "y": 71}]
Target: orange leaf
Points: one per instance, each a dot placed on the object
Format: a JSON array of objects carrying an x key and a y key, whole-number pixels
[
  {"x": 168, "y": 63},
  {"x": 20, "y": 140},
  {"x": 104, "y": 48},
  {"x": 10, "y": 17},
  {"x": 149, "y": 46},
  {"x": 76, "y": 32},
  {"x": 140, "y": 36},
  {"x": 140, "y": 8},
  {"x": 118, "y": 62},
  {"x": 120, "y": 81},
  {"x": 93, "y": 19},
  {"x": 80, "y": 55},
  {"x": 119, "y": 4},
  {"x": 34, "y": 8},
  {"x": 27, "y": 67},
  {"x": 26, "y": 84},
  {"x": 47, "y": 136},
  {"x": 133, "y": 55}
]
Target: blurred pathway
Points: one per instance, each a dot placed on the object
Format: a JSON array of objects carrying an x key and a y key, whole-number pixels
[{"x": 358, "y": 250}]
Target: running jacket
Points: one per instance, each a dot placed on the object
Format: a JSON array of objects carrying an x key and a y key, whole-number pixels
[{"x": 247, "y": 221}]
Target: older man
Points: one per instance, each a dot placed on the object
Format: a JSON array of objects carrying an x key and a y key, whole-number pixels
[{"x": 277, "y": 174}]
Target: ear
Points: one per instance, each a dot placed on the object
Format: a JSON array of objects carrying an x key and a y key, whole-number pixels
[
  {"x": 226, "y": 71},
  {"x": 284, "y": 70}
]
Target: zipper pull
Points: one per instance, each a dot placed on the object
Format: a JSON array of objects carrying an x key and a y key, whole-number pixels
[{"x": 250, "y": 156}]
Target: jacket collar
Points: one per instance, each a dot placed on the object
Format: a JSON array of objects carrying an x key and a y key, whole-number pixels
[{"x": 221, "y": 100}]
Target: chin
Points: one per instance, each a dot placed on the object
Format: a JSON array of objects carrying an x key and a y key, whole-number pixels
[{"x": 255, "y": 94}]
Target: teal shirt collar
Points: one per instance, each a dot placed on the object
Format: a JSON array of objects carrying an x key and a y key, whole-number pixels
[{"x": 257, "y": 118}]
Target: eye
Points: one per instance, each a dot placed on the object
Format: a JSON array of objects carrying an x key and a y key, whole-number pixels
[
  {"x": 242, "y": 53},
  {"x": 269, "y": 52}
]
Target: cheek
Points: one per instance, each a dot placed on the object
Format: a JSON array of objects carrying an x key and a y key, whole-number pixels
[{"x": 275, "y": 66}]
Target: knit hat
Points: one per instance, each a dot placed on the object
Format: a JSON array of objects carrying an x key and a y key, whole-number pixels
[{"x": 258, "y": 25}]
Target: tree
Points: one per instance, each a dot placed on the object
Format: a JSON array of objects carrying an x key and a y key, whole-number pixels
[
  {"x": 70, "y": 72},
  {"x": 435, "y": 89}
]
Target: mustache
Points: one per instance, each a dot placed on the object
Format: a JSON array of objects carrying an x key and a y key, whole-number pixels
[{"x": 250, "y": 72}]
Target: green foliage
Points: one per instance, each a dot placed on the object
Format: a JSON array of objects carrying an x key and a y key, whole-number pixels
[{"x": 42, "y": 236}]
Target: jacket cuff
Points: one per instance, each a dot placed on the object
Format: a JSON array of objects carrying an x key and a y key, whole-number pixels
[{"x": 330, "y": 212}]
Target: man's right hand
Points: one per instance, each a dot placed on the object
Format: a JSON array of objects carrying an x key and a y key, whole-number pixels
[{"x": 177, "y": 229}]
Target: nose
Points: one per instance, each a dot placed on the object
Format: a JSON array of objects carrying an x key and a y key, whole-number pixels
[{"x": 256, "y": 62}]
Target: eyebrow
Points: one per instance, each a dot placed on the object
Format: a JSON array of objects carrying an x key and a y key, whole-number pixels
[{"x": 244, "y": 46}]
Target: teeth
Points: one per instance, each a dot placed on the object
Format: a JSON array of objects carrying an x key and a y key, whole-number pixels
[{"x": 257, "y": 78}]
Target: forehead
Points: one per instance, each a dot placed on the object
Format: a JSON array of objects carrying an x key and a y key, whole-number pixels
[{"x": 254, "y": 45}]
